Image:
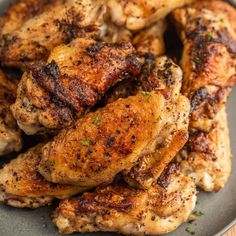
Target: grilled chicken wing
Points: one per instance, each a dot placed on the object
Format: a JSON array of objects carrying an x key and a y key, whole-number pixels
[
  {"x": 171, "y": 140},
  {"x": 22, "y": 186},
  {"x": 120, "y": 208},
  {"x": 208, "y": 60},
  {"x": 76, "y": 76},
  {"x": 104, "y": 142},
  {"x": 162, "y": 75},
  {"x": 136, "y": 15},
  {"x": 10, "y": 135},
  {"x": 209, "y": 65},
  {"x": 60, "y": 24},
  {"x": 207, "y": 156}
]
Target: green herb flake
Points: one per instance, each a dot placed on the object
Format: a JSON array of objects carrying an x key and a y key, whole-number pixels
[
  {"x": 197, "y": 202},
  {"x": 145, "y": 94},
  {"x": 198, "y": 213},
  {"x": 52, "y": 162},
  {"x": 85, "y": 142},
  {"x": 209, "y": 37},
  {"x": 158, "y": 119},
  {"x": 189, "y": 230},
  {"x": 96, "y": 121},
  {"x": 198, "y": 60},
  {"x": 194, "y": 49}
]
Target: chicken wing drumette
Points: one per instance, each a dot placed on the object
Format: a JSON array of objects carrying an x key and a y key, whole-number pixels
[
  {"x": 210, "y": 70},
  {"x": 208, "y": 59},
  {"x": 53, "y": 95},
  {"x": 119, "y": 208},
  {"x": 10, "y": 135}
]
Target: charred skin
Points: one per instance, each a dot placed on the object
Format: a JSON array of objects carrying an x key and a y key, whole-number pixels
[{"x": 54, "y": 95}]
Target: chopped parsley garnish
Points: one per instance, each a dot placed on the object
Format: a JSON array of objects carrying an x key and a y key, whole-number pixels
[
  {"x": 197, "y": 202},
  {"x": 189, "y": 230},
  {"x": 52, "y": 162},
  {"x": 194, "y": 49},
  {"x": 209, "y": 37},
  {"x": 198, "y": 213},
  {"x": 96, "y": 121},
  {"x": 145, "y": 94},
  {"x": 198, "y": 60},
  {"x": 85, "y": 142},
  {"x": 158, "y": 119}
]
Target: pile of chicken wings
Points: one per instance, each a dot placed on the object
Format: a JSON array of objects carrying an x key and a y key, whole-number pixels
[{"x": 131, "y": 119}]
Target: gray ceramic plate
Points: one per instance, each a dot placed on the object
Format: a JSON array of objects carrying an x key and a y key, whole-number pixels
[{"x": 219, "y": 208}]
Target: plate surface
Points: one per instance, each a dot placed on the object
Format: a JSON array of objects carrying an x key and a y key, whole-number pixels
[{"x": 219, "y": 208}]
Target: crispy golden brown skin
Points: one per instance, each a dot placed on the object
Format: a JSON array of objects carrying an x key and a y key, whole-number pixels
[
  {"x": 151, "y": 39},
  {"x": 105, "y": 142},
  {"x": 207, "y": 155},
  {"x": 76, "y": 76},
  {"x": 208, "y": 59},
  {"x": 60, "y": 24},
  {"x": 120, "y": 208},
  {"x": 10, "y": 135},
  {"x": 171, "y": 140},
  {"x": 210, "y": 70},
  {"x": 162, "y": 75},
  {"x": 22, "y": 186},
  {"x": 135, "y": 15},
  {"x": 20, "y": 11}
]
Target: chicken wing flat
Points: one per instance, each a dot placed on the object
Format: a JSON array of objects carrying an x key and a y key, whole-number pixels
[
  {"x": 105, "y": 142},
  {"x": 208, "y": 59},
  {"x": 207, "y": 156},
  {"x": 135, "y": 15},
  {"x": 10, "y": 135},
  {"x": 76, "y": 76},
  {"x": 209, "y": 65},
  {"x": 60, "y": 24},
  {"x": 120, "y": 208},
  {"x": 22, "y": 186}
]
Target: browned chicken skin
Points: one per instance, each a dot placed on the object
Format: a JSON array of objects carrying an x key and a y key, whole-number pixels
[
  {"x": 76, "y": 76},
  {"x": 120, "y": 208},
  {"x": 21, "y": 11},
  {"x": 105, "y": 142},
  {"x": 208, "y": 60},
  {"x": 10, "y": 135},
  {"x": 22, "y": 186},
  {"x": 69, "y": 19},
  {"x": 210, "y": 71},
  {"x": 65, "y": 21},
  {"x": 162, "y": 75}
]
